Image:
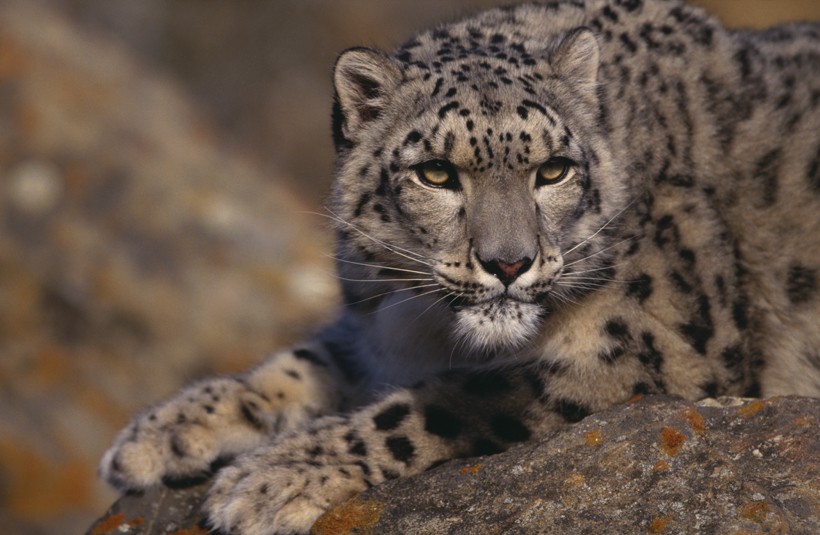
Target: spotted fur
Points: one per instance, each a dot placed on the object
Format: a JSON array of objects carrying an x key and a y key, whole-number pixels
[{"x": 541, "y": 211}]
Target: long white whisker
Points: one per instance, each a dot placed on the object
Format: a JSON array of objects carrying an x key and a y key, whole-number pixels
[
  {"x": 409, "y": 299},
  {"x": 392, "y": 292},
  {"x": 392, "y": 248},
  {"x": 605, "y": 225},
  {"x": 603, "y": 268},
  {"x": 378, "y": 266},
  {"x": 583, "y": 286},
  {"x": 406, "y": 253},
  {"x": 428, "y": 279},
  {"x": 599, "y": 252},
  {"x": 562, "y": 297},
  {"x": 437, "y": 301},
  {"x": 570, "y": 277}
]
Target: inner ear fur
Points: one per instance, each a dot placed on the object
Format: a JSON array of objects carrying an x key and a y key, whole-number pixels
[{"x": 364, "y": 80}]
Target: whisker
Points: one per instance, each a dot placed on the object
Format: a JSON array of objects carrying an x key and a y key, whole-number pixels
[
  {"x": 570, "y": 277},
  {"x": 391, "y": 292},
  {"x": 583, "y": 286},
  {"x": 392, "y": 248},
  {"x": 406, "y": 253},
  {"x": 428, "y": 279},
  {"x": 602, "y": 268},
  {"x": 377, "y": 266},
  {"x": 408, "y": 299},
  {"x": 437, "y": 301},
  {"x": 565, "y": 299},
  {"x": 599, "y": 252},
  {"x": 602, "y": 227}
]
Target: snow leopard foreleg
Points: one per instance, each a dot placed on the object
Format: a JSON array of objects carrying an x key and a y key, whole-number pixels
[
  {"x": 218, "y": 418},
  {"x": 284, "y": 486}
]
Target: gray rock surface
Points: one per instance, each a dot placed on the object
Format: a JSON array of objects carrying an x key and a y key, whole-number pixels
[
  {"x": 157, "y": 511},
  {"x": 655, "y": 465}
]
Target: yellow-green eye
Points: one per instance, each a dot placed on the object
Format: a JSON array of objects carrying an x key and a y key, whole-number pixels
[
  {"x": 553, "y": 171},
  {"x": 438, "y": 174}
]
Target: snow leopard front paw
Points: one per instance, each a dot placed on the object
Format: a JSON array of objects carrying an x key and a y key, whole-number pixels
[
  {"x": 280, "y": 489},
  {"x": 183, "y": 436}
]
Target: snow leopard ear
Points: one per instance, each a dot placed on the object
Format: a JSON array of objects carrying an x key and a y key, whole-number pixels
[
  {"x": 577, "y": 58},
  {"x": 364, "y": 80}
]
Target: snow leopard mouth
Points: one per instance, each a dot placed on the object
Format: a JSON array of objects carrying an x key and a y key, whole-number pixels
[
  {"x": 507, "y": 297},
  {"x": 503, "y": 322}
]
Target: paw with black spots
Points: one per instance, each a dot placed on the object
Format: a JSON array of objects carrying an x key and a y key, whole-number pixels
[
  {"x": 280, "y": 489},
  {"x": 182, "y": 437}
]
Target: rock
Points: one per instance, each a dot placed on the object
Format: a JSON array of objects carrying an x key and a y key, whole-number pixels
[
  {"x": 655, "y": 465},
  {"x": 160, "y": 510}
]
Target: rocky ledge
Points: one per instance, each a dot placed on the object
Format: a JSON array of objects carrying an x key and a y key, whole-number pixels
[{"x": 655, "y": 465}]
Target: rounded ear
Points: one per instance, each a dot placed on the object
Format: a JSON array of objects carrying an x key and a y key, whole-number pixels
[
  {"x": 577, "y": 58},
  {"x": 364, "y": 80}
]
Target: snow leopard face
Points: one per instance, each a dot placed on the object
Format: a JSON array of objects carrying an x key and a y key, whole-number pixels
[{"x": 475, "y": 182}]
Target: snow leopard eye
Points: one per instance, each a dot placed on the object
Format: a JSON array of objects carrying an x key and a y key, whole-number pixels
[
  {"x": 554, "y": 171},
  {"x": 438, "y": 174}
]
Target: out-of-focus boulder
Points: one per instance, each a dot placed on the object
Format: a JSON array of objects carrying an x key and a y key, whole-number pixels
[{"x": 136, "y": 254}]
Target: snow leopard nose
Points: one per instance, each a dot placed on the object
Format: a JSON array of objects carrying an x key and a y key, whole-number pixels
[{"x": 506, "y": 272}]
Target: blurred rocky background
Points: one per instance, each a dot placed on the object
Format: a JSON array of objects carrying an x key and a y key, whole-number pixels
[{"x": 161, "y": 167}]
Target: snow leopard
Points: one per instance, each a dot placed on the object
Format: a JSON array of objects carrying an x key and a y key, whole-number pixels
[{"x": 541, "y": 211}]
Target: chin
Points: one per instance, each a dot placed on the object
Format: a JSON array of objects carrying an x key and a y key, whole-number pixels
[{"x": 499, "y": 325}]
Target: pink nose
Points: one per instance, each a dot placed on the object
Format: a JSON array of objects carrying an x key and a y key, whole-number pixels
[{"x": 506, "y": 272}]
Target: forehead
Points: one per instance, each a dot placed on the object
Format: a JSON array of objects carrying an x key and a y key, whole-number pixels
[
  {"x": 486, "y": 76},
  {"x": 482, "y": 115},
  {"x": 477, "y": 70}
]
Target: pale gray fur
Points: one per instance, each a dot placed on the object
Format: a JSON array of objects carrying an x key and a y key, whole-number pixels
[{"x": 677, "y": 252}]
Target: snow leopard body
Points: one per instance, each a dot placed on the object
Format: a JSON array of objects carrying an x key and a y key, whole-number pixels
[{"x": 541, "y": 211}]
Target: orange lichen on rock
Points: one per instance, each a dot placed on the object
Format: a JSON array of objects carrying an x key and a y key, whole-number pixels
[
  {"x": 672, "y": 441},
  {"x": 353, "y": 516},
  {"x": 196, "y": 530},
  {"x": 755, "y": 511},
  {"x": 108, "y": 524},
  {"x": 695, "y": 420},
  {"x": 472, "y": 470},
  {"x": 659, "y": 525},
  {"x": 593, "y": 438},
  {"x": 765, "y": 515},
  {"x": 751, "y": 408},
  {"x": 661, "y": 466}
]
